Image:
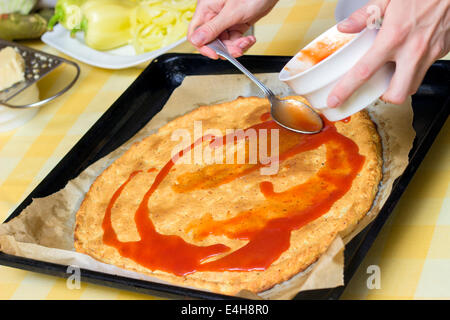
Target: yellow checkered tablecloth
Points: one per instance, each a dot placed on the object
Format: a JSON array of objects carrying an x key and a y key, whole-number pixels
[{"x": 412, "y": 250}]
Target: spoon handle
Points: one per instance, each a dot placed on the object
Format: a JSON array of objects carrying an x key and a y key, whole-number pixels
[{"x": 222, "y": 51}]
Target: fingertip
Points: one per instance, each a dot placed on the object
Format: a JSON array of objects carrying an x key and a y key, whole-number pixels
[
  {"x": 252, "y": 41},
  {"x": 402, "y": 83},
  {"x": 356, "y": 22},
  {"x": 199, "y": 37},
  {"x": 333, "y": 101},
  {"x": 208, "y": 52},
  {"x": 349, "y": 25},
  {"x": 393, "y": 98},
  {"x": 344, "y": 24},
  {"x": 244, "y": 44},
  {"x": 235, "y": 51},
  {"x": 395, "y": 94}
]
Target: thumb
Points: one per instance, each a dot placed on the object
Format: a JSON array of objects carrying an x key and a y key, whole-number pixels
[
  {"x": 364, "y": 16},
  {"x": 210, "y": 30}
]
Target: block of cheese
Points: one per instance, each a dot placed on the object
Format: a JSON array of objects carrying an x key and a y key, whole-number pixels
[{"x": 12, "y": 68}]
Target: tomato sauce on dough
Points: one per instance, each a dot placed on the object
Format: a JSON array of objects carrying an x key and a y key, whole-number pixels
[{"x": 266, "y": 228}]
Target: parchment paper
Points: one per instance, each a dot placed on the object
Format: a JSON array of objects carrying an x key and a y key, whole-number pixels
[{"x": 44, "y": 230}]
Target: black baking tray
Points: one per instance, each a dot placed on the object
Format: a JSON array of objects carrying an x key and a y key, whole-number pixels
[{"x": 148, "y": 94}]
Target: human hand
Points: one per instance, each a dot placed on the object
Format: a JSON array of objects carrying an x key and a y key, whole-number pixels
[
  {"x": 227, "y": 20},
  {"x": 414, "y": 34}
]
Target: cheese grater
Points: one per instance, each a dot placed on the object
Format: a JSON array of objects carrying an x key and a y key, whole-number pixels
[{"x": 37, "y": 65}]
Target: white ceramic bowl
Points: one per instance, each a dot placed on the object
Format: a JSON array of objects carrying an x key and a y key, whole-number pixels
[{"x": 316, "y": 82}]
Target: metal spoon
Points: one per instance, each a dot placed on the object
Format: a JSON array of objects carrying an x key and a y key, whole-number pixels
[{"x": 290, "y": 114}]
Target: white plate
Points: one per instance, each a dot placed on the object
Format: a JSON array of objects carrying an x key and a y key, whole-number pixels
[{"x": 119, "y": 58}]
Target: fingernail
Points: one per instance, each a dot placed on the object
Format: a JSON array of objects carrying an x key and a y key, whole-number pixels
[
  {"x": 346, "y": 23},
  {"x": 198, "y": 38},
  {"x": 243, "y": 44},
  {"x": 333, "y": 102}
]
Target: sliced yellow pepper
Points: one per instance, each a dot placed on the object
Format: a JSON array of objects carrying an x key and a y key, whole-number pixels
[
  {"x": 68, "y": 13},
  {"x": 106, "y": 23}
]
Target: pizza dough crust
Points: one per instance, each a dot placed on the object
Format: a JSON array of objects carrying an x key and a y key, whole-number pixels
[{"x": 171, "y": 212}]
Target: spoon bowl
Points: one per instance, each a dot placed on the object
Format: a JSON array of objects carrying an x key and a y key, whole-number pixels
[
  {"x": 296, "y": 116},
  {"x": 290, "y": 114}
]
